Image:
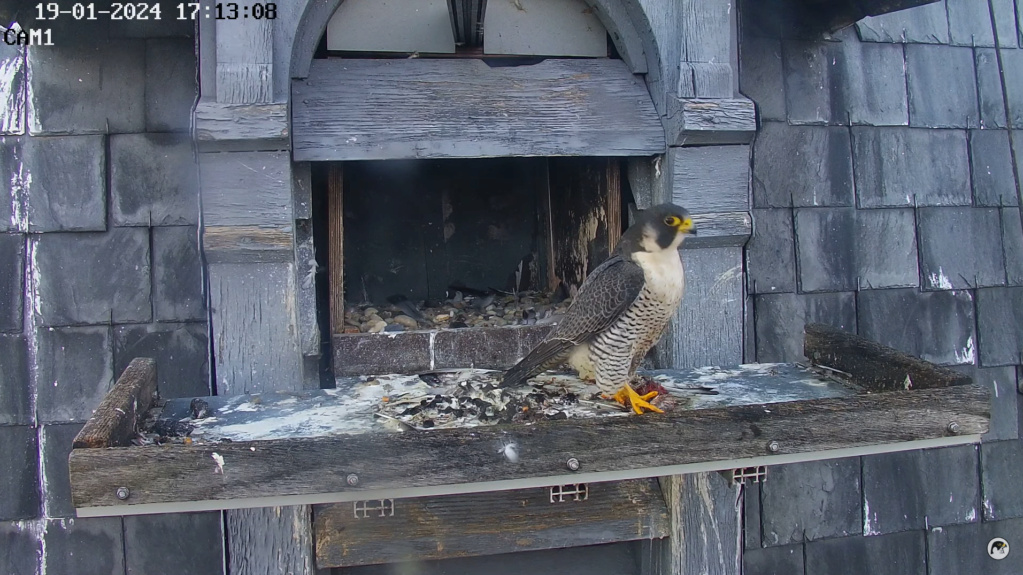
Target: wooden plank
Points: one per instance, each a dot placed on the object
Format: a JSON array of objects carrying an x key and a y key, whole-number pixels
[
  {"x": 247, "y": 244},
  {"x": 544, "y": 28},
  {"x": 463, "y": 526},
  {"x": 336, "y": 233},
  {"x": 116, "y": 419},
  {"x": 270, "y": 540},
  {"x": 392, "y": 109},
  {"x": 708, "y": 121},
  {"x": 711, "y": 178},
  {"x": 720, "y": 230},
  {"x": 707, "y": 328},
  {"x": 258, "y": 126},
  {"x": 254, "y": 331},
  {"x": 706, "y": 516},
  {"x": 246, "y": 189},
  {"x": 305, "y": 290},
  {"x": 585, "y": 214},
  {"x": 872, "y": 365},
  {"x": 450, "y": 457},
  {"x": 244, "y": 61}
]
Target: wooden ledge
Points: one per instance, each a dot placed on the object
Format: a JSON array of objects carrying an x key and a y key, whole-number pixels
[
  {"x": 763, "y": 414},
  {"x": 241, "y": 127}
]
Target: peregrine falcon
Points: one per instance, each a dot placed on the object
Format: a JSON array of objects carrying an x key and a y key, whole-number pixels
[{"x": 621, "y": 309}]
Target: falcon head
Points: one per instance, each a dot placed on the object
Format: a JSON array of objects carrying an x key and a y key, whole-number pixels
[{"x": 659, "y": 228}]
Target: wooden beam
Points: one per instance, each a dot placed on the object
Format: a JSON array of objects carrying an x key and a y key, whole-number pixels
[
  {"x": 452, "y": 457},
  {"x": 872, "y": 365},
  {"x": 399, "y": 109},
  {"x": 335, "y": 255},
  {"x": 222, "y": 126},
  {"x": 116, "y": 419},
  {"x": 708, "y": 121},
  {"x": 720, "y": 230},
  {"x": 705, "y": 525},
  {"x": 443, "y": 527},
  {"x": 247, "y": 244}
]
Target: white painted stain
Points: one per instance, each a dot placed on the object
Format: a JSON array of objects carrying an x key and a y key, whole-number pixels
[
  {"x": 12, "y": 113},
  {"x": 968, "y": 354},
  {"x": 219, "y": 459},
  {"x": 972, "y": 515},
  {"x": 940, "y": 280},
  {"x": 869, "y": 520}
]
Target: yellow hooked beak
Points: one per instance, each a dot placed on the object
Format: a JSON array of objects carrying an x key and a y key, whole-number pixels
[{"x": 686, "y": 226}]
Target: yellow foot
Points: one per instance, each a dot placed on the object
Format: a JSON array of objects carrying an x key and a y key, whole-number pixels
[{"x": 628, "y": 397}]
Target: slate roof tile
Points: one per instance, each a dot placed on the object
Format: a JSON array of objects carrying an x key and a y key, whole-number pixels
[
  {"x": 959, "y": 549},
  {"x": 15, "y": 389},
  {"x": 921, "y": 24},
  {"x": 936, "y": 326},
  {"x": 942, "y": 90},
  {"x": 802, "y": 166},
  {"x": 66, "y": 183},
  {"x": 1001, "y": 467},
  {"x": 177, "y": 275},
  {"x": 781, "y": 560},
  {"x": 85, "y": 545},
  {"x": 811, "y": 501},
  {"x": 20, "y": 549},
  {"x": 991, "y": 168},
  {"x": 1000, "y": 323},
  {"x": 770, "y": 254},
  {"x": 153, "y": 180},
  {"x": 1012, "y": 240},
  {"x": 902, "y": 490},
  {"x": 780, "y": 319},
  {"x": 969, "y": 23},
  {"x": 12, "y": 281},
  {"x": 74, "y": 371},
  {"x": 180, "y": 351},
  {"x": 761, "y": 76},
  {"x": 894, "y": 554},
  {"x": 989, "y": 89},
  {"x": 56, "y": 446},
  {"x": 174, "y": 543},
  {"x": 19, "y": 474},
  {"x": 911, "y": 166},
  {"x": 960, "y": 247}
]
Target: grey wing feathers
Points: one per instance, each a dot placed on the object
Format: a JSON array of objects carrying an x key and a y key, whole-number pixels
[{"x": 605, "y": 295}]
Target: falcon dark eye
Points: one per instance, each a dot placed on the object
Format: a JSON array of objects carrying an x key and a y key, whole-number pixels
[{"x": 672, "y": 221}]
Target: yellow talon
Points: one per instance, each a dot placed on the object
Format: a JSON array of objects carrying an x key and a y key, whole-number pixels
[{"x": 636, "y": 401}]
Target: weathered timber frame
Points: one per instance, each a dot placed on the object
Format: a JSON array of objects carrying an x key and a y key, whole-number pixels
[{"x": 906, "y": 403}]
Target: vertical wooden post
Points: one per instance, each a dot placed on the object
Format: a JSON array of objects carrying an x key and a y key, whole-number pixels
[{"x": 336, "y": 232}]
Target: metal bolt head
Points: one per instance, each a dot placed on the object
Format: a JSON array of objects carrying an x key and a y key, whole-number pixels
[
  {"x": 953, "y": 428},
  {"x": 573, "y": 464},
  {"x": 773, "y": 447},
  {"x": 123, "y": 493},
  {"x": 352, "y": 479}
]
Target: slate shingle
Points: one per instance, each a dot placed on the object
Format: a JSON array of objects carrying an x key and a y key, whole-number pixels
[
  {"x": 781, "y": 560},
  {"x": 20, "y": 549},
  {"x": 93, "y": 545},
  {"x": 92, "y": 86},
  {"x": 762, "y": 77},
  {"x": 802, "y": 166},
  {"x": 922, "y": 24},
  {"x": 780, "y": 319},
  {"x": 12, "y": 185},
  {"x": 813, "y": 82},
  {"x": 908, "y": 166},
  {"x": 15, "y": 392},
  {"x": 844, "y": 249},
  {"x": 12, "y": 86},
  {"x": 810, "y": 501},
  {"x": 19, "y": 474},
  {"x": 960, "y": 549},
  {"x": 170, "y": 84},
  {"x": 904, "y": 490},
  {"x": 66, "y": 183},
  {"x": 180, "y": 350},
  {"x": 1000, "y": 323},
  {"x": 935, "y": 326},
  {"x": 93, "y": 278},
  {"x": 895, "y": 554},
  {"x": 873, "y": 82},
  {"x": 942, "y": 89},
  {"x": 74, "y": 370},
  {"x": 751, "y": 516},
  {"x": 991, "y": 167},
  {"x": 1001, "y": 467},
  {"x": 989, "y": 89},
  {"x": 770, "y": 253},
  {"x": 56, "y": 446},
  {"x": 1012, "y": 62},
  {"x": 960, "y": 248},
  {"x": 1012, "y": 241},
  {"x": 177, "y": 275},
  {"x": 12, "y": 281},
  {"x": 174, "y": 543},
  {"x": 969, "y": 23},
  {"x": 153, "y": 180}
]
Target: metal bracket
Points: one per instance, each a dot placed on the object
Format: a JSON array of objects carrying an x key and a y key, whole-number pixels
[
  {"x": 570, "y": 492},
  {"x": 373, "y": 508},
  {"x": 744, "y": 475}
]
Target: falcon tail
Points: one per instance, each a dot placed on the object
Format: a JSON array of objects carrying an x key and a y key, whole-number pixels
[{"x": 543, "y": 356}]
